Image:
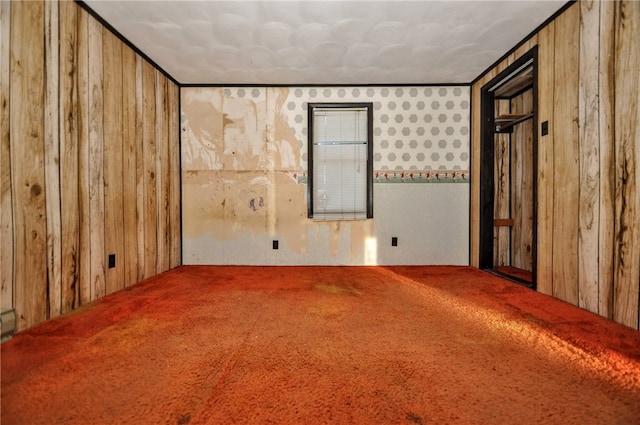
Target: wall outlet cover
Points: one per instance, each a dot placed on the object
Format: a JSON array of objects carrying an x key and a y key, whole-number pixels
[{"x": 545, "y": 128}]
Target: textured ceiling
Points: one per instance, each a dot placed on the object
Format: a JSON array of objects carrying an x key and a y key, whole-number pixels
[{"x": 324, "y": 42}]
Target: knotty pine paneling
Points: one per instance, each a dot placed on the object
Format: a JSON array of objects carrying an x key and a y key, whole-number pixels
[
  {"x": 162, "y": 173},
  {"x": 627, "y": 163},
  {"x": 545, "y": 180},
  {"x": 130, "y": 137},
  {"x": 588, "y": 210},
  {"x": 27, "y": 69},
  {"x": 606, "y": 131},
  {"x": 566, "y": 151},
  {"x": 96, "y": 160},
  {"x": 113, "y": 157},
  {"x": 69, "y": 154},
  {"x": 175, "y": 238},
  {"x": 150, "y": 212},
  {"x": 521, "y": 183},
  {"x": 74, "y": 174},
  {"x": 502, "y": 191},
  {"x": 6, "y": 206},
  {"x": 52, "y": 157},
  {"x": 85, "y": 290},
  {"x": 588, "y": 207}
]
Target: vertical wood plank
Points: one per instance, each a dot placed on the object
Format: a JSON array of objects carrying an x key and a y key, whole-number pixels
[
  {"x": 627, "y": 183},
  {"x": 566, "y": 167},
  {"x": 502, "y": 200},
  {"x": 566, "y": 157},
  {"x": 96, "y": 159},
  {"x": 607, "y": 159},
  {"x": 113, "y": 169},
  {"x": 544, "y": 259},
  {"x": 527, "y": 184},
  {"x": 474, "y": 213},
  {"x": 6, "y": 207},
  {"x": 129, "y": 125},
  {"x": 174, "y": 171},
  {"x": 70, "y": 219},
  {"x": 162, "y": 173},
  {"x": 517, "y": 179},
  {"x": 84, "y": 251},
  {"x": 52, "y": 158},
  {"x": 150, "y": 189},
  {"x": 522, "y": 181},
  {"x": 588, "y": 206},
  {"x": 27, "y": 161},
  {"x": 140, "y": 170}
]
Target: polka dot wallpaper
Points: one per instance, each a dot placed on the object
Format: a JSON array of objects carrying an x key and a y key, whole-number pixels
[{"x": 418, "y": 131}]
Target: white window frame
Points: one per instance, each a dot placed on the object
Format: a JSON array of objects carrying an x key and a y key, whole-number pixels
[{"x": 339, "y": 154}]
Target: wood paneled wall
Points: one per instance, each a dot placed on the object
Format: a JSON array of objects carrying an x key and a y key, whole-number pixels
[
  {"x": 89, "y": 162},
  {"x": 588, "y": 175}
]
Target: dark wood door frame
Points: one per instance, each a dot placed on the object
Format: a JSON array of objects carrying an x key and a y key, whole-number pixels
[{"x": 487, "y": 158}]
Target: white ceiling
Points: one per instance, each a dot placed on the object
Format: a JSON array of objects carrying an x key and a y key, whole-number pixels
[{"x": 324, "y": 42}]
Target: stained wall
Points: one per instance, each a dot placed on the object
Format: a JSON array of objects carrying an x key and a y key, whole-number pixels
[
  {"x": 89, "y": 162},
  {"x": 244, "y": 165},
  {"x": 588, "y": 166}
]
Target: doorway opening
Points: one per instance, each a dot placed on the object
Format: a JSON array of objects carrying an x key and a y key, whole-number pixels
[{"x": 508, "y": 170}]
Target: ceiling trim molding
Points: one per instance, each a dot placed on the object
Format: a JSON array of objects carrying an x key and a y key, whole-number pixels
[{"x": 330, "y": 85}]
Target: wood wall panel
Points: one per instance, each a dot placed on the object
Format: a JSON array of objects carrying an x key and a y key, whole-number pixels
[
  {"x": 545, "y": 181},
  {"x": 70, "y": 218},
  {"x": 52, "y": 157},
  {"x": 74, "y": 180},
  {"x": 113, "y": 165},
  {"x": 150, "y": 213},
  {"x": 502, "y": 194},
  {"x": 521, "y": 180},
  {"x": 627, "y": 163},
  {"x": 129, "y": 170},
  {"x": 588, "y": 219},
  {"x": 27, "y": 161},
  {"x": 588, "y": 210},
  {"x": 85, "y": 291},
  {"x": 140, "y": 170},
  {"x": 175, "y": 180},
  {"x": 566, "y": 153},
  {"x": 606, "y": 134},
  {"x": 96, "y": 160},
  {"x": 6, "y": 207},
  {"x": 162, "y": 173}
]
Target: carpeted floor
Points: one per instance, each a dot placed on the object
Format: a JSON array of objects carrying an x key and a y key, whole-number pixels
[{"x": 323, "y": 345}]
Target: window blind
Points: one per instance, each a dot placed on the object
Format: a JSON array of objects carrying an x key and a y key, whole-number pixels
[{"x": 340, "y": 163}]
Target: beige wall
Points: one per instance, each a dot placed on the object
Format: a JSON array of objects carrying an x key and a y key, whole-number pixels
[
  {"x": 89, "y": 162},
  {"x": 588, "y": 247}
]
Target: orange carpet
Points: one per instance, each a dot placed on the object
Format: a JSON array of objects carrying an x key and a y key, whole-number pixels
[{"x": 323, "y": 345}]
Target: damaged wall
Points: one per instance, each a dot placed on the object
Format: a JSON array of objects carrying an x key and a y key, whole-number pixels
[{"x": 244, "y": 162}]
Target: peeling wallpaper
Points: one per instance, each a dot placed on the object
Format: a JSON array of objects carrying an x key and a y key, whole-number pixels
[{"x": 244, "y": 162}]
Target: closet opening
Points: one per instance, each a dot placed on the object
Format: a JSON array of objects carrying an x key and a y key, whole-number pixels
[{"x": 508, "y": 170}]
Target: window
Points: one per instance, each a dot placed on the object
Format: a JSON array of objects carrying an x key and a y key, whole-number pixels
[{"x": 340, "y": 161}]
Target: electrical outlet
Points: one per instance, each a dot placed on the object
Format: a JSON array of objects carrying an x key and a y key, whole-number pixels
[
  {"x": 275, "y": 244},
  {"x": 112, "y": 260},
  {"x": 394, "y": 241}
]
